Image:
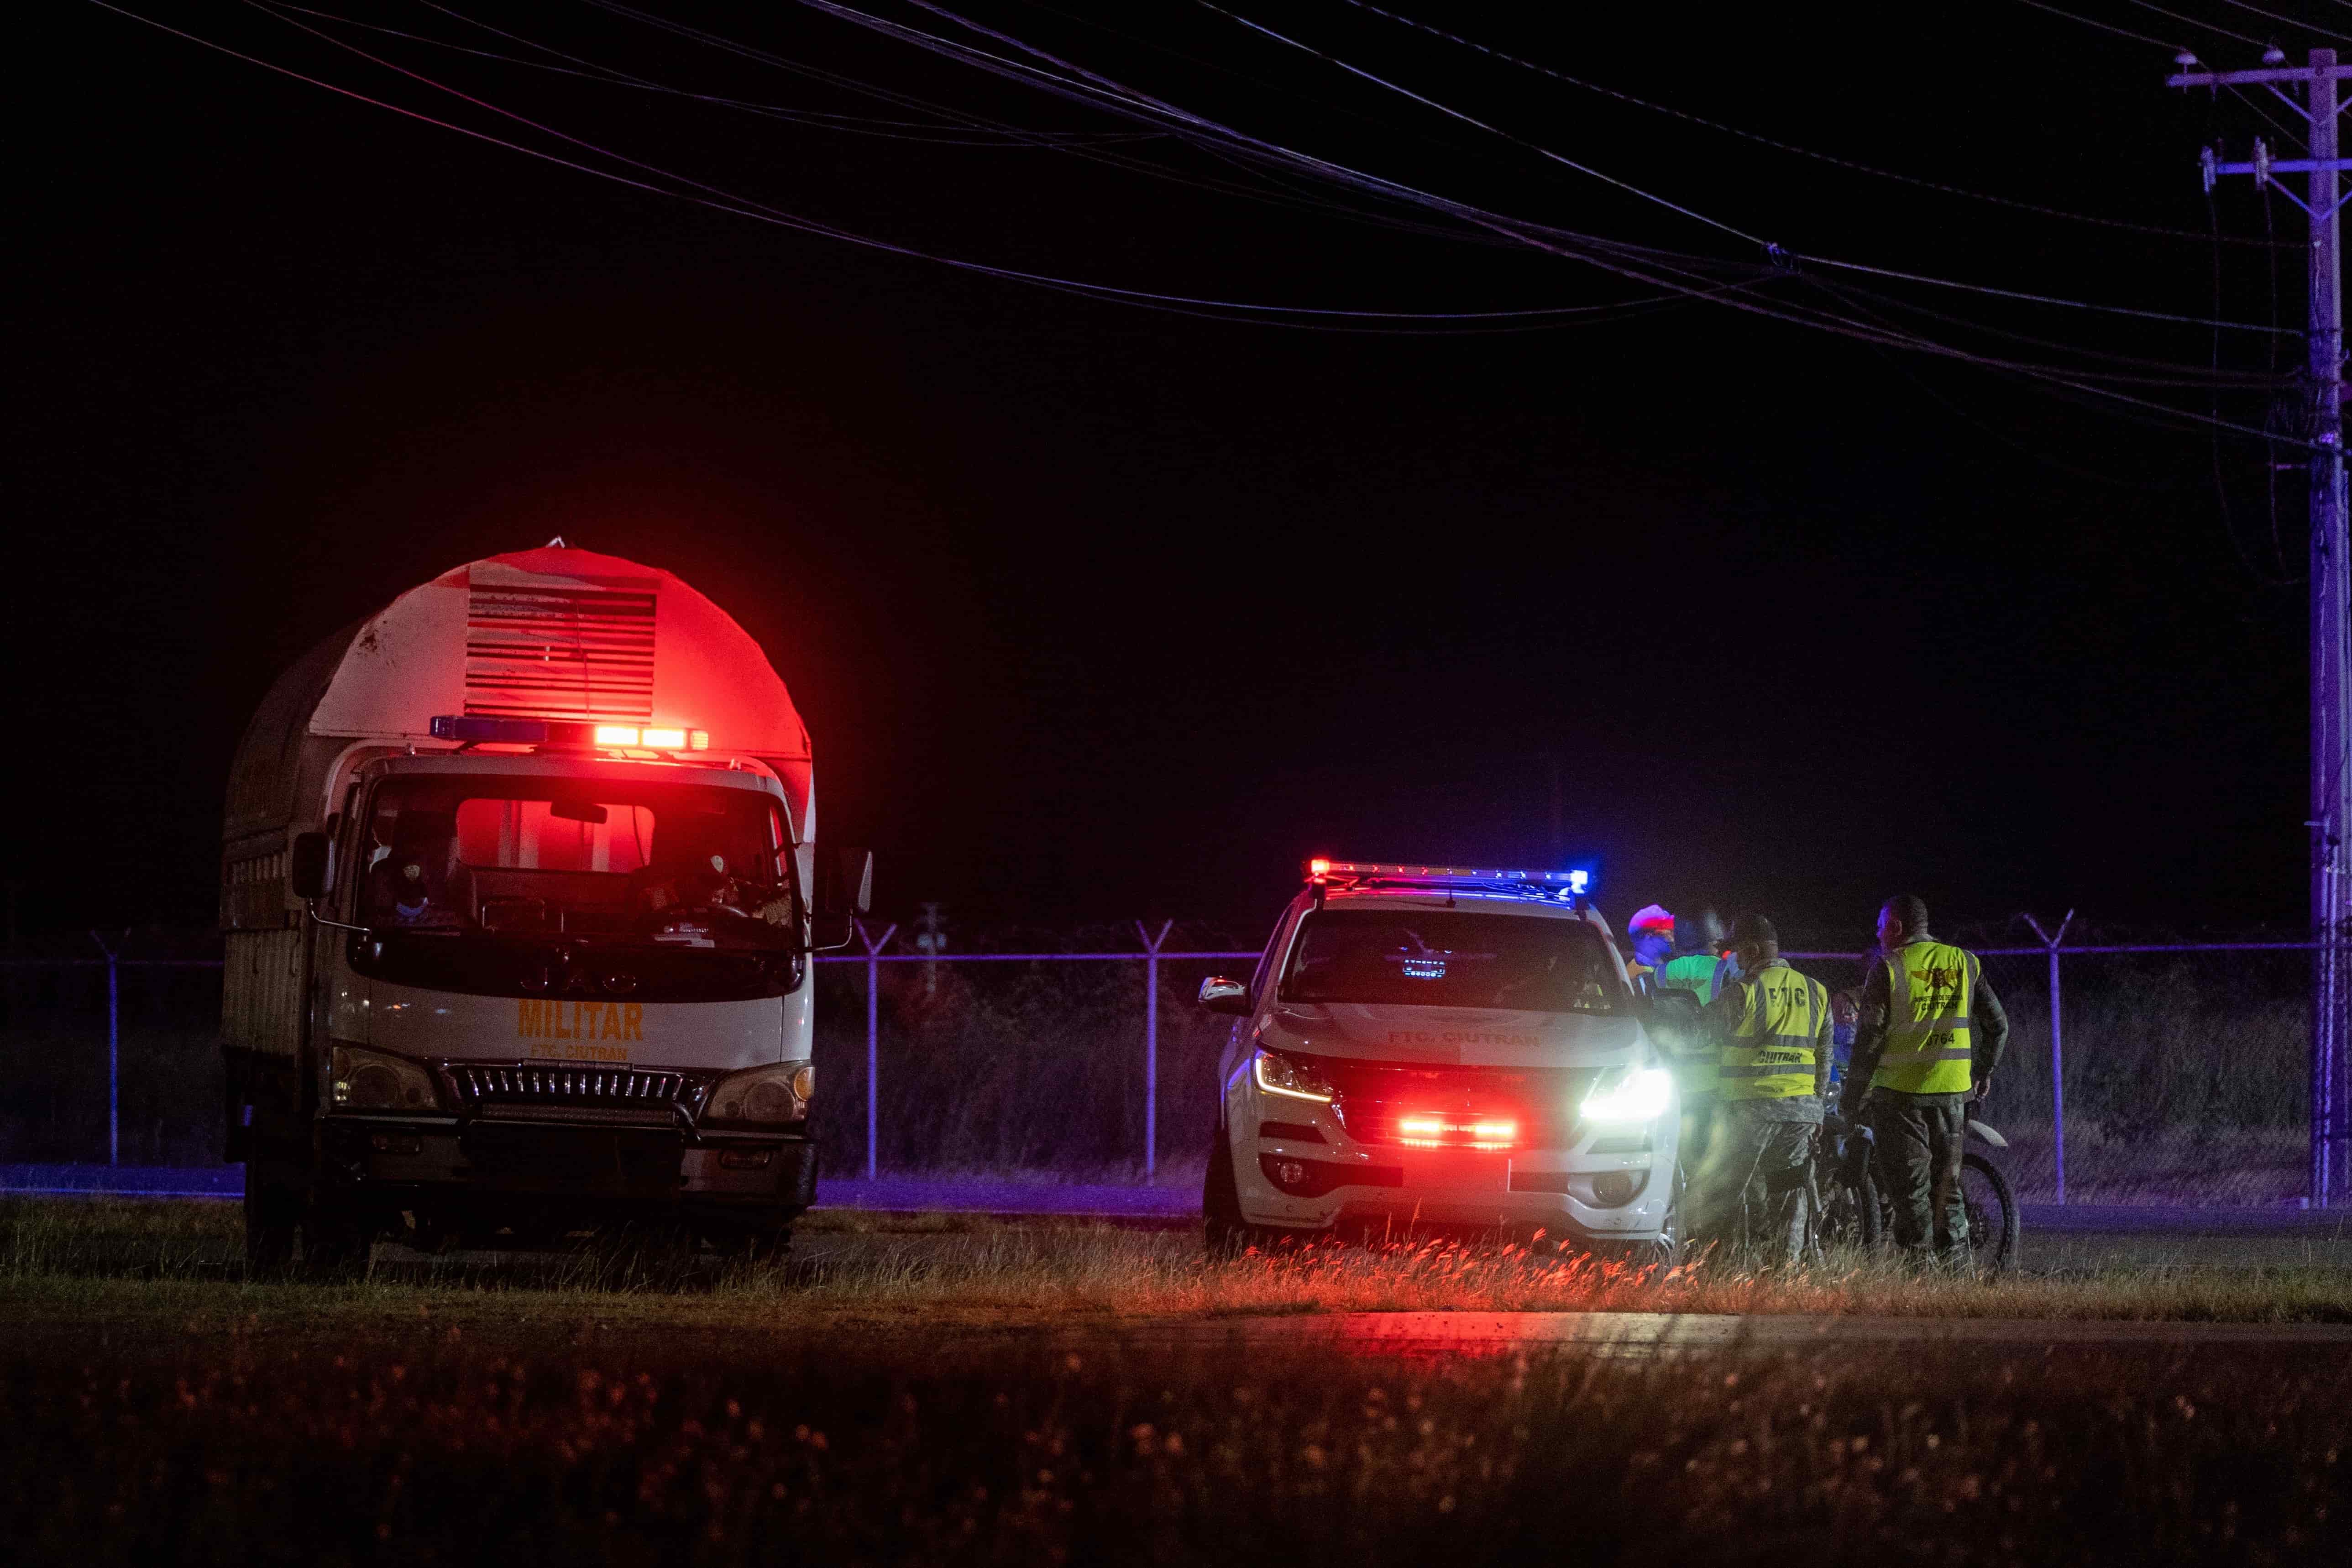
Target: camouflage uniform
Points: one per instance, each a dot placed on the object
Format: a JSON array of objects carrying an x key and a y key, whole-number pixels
[
  {"x": 1920, "y": 1137},
  {"x": 1751, "y": 1194},
  {"x": 1919, "y": 1149},
  {"x": 1754, "y": 1189}
]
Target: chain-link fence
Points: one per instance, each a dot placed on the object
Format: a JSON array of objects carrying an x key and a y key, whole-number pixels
[
  {"x": 2181, "y": 1071},
  {"x": 2171, "y": 1073}
]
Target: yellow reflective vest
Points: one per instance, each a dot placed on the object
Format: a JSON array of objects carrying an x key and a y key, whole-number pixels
[
  {"x": 1771, "y": 1054},
  {"x": 1928, "y": 1049}
]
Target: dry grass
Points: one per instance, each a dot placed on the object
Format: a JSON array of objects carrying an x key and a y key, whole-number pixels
[
  {"x": 133, "y": 1262},
  {"x": 279, "y": 1437},
  {"x": 889, "y": 1398},
  {"x": 2205, "y": 1167}
]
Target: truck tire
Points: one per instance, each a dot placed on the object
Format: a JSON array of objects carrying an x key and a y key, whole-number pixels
[
  {"x": 272, "y": 1213},
  {"x": 336, "y": 1241}
]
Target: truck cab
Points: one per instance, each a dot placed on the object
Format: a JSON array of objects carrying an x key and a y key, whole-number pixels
[
  {"x": 1426, "y": 1045},
  {"x": 518, "y": 900}
]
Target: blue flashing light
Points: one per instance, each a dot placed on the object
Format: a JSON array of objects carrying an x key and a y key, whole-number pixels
[
  {"x": 477, "y": 729},
  {"x": 1578, "y": 881}
]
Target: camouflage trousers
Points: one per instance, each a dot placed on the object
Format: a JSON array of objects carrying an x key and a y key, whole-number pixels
[
  {"x": 1752, "y": 1194},
  {"x": 1918, "y": 1167}
]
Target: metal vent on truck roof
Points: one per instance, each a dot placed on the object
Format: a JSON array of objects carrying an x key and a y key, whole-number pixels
[{"x": 545, "y": 650}]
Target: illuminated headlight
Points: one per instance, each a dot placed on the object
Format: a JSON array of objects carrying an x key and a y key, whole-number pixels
[
  {"x": 1630, "y": 1094},
  {"x": 766, "y": 1095},
  {"x": 377, "y": 1080},
  {"x": 1296, "y": 1077}
]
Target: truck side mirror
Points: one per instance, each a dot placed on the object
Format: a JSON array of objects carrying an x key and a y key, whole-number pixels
[
  {"x": 846, "y": 882},
  {"x": 307, "y": 869},
  {"x": 1219, "y": 995}
]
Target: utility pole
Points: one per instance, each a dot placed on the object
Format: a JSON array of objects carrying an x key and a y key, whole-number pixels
[{"x": 2331, "y": 580}]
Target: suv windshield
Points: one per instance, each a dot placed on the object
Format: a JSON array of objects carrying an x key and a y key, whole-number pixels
[
  {"x": 678, "y": 864},
  {"x": 1452, "y": 958}
]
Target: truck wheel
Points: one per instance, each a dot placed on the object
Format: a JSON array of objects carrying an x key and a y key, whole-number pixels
[
  {"x": 271, "y": 1214},
  {"x": 335, "y": 1240}
]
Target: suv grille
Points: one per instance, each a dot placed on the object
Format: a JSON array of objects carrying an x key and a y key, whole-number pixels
[
  {"x": 534, "y": 1091},
  {"x": 1373, "y": 1097}
]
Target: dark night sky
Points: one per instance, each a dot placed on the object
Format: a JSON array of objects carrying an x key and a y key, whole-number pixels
[{"x": 1096, "y": 611}]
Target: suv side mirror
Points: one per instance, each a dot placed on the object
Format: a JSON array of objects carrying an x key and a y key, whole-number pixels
[
  {"x": 844, "y": 882},
  {"x": 307, "y": 871},
  {"x": 1219, "y": 995}
]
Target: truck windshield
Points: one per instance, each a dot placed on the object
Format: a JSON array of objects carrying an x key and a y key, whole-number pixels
[
  {"x": 690, "y": 865},
  {"x": 1452, "y": 958}
]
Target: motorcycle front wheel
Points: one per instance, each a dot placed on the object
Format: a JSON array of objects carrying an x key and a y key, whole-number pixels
[{"x": 1992, "y": 1215}]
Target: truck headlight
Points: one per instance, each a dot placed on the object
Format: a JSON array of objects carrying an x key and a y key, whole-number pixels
[
  {"x": 1630, "y": 1094},
  {"x": 1296, "y": 1077},
  {"x": 361, "y": 1080},
  {"x": 766, "y": 1096}
]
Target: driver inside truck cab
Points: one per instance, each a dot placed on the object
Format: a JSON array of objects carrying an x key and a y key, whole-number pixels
[
  {"x": 410, "y": 878},
  {"x": 689, "y": 867},
  {"x": 694, "y": 865}
]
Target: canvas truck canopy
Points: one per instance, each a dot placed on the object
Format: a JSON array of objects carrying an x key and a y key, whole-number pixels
[{"x": 554, "y": 632}]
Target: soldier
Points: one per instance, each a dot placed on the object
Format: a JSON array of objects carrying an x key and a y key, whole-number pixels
[
  {"x": 1652, "y": 933},
  {"x": 1928, "y": 1036},
  {"x": 1774, "y": 1026}
]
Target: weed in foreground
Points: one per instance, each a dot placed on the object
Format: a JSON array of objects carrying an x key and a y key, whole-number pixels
[
  {"x": 414, "y": 1443},
  {"x": 133, "y": 1261}
]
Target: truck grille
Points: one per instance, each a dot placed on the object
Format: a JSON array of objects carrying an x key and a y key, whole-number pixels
[{"x": 533, "y": 1091}]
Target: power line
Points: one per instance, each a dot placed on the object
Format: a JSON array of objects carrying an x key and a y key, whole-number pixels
[
  {"x": 1686, "y": 277},
  {"x": 2200, "y": 22},
  {"x": 948, "y": 132},
  {"x": 1493, "y": 129},
  {"x": 741, "y": 207},
  {"x": 2017, "y": 294},
  {"x": 1791, "y": 147},
  {"x": 1654, "y": 268},
  {"x": 2102, "y": 26},
  {"x": 2290, "y": 21}
]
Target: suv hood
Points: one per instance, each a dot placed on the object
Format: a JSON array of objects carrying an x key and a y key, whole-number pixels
[{"x": 1457, "y": 1036}]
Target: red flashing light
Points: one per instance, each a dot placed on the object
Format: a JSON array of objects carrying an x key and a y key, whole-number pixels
[
  {"x": 1449, "y": 1133},
  {"x": 631, "y": 737},
  {"x": 1318, "y": 867}
]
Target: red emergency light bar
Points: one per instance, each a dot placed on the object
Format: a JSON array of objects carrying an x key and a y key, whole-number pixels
[
  {"x": 1578, "y": 881},
  {"x": 477, "y": 729},
  {"x": 1425, "y": 1131}
]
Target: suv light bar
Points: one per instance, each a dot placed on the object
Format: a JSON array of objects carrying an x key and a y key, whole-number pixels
[{"x": 1576, "y": 881}]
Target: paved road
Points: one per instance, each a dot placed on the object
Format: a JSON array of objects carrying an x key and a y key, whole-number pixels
[
  {"x": 1655, "y": 1334},
  {"x": 2055, "y": 1240}
]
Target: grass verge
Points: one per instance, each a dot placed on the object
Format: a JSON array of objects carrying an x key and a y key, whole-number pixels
[{"x": 893, "y": 1396}]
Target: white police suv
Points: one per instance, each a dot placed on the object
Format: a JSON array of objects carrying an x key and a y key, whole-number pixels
[{"x": 1440, "y": 1046}]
